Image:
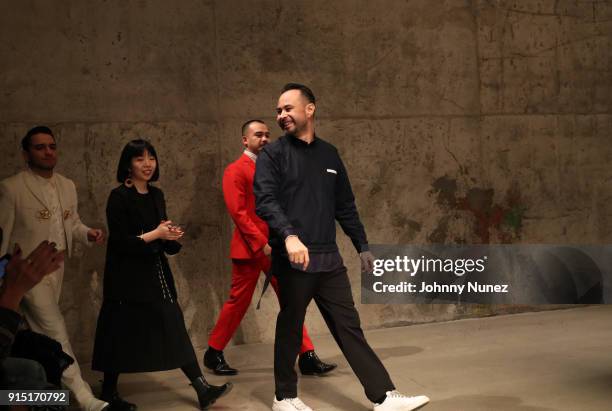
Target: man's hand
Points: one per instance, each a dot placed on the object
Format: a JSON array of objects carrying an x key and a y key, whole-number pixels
[
  {"x": 297, "y": 251},
  {"x": 23, "y": 274},
  {"x": 267, "y": 250},
  {"x": 95, "y": 235},
  {"x": 367, "y": 262}
]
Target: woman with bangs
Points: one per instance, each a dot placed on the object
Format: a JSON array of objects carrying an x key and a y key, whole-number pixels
[{"x": 141, "y": 326}]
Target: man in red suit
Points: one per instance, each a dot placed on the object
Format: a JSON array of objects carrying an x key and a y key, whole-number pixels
[{"x": 250, "y": 254}]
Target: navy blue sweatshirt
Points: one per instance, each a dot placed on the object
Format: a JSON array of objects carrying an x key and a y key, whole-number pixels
[{"x": 302, "y": 189}]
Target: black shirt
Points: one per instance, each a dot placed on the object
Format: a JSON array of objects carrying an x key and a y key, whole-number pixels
[
  {"x": 9, "y": 323},
  {"x": 302, "y": 189},
  {"x": 146, "y": 205}
]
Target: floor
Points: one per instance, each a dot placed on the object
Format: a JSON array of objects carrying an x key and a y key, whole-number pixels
[{"x": 552, "y": 360}]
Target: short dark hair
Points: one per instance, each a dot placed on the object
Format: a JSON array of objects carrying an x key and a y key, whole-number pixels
[
  {"x": 135, "y": 148},
  {"x": 305, "y": 90},
  {"x": 248, "y": 123},
  {"x": 26, "y": 141}
]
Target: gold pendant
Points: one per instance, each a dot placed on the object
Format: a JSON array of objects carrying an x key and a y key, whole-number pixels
[{"x": 44, "y": 214}]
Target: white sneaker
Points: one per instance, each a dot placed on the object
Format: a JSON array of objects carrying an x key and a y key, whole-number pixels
[
  {"x": 290, "y": 404},
  {"x": 398, "y": 402}
]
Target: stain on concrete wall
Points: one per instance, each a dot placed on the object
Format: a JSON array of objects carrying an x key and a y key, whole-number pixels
[
  {"x": 505, "y": 220},
  {"x": 464, "y": 122}
]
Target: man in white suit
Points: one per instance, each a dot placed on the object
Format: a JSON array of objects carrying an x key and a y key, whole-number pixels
[{"x": 37, "y": 205}]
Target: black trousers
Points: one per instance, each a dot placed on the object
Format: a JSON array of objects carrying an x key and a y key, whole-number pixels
[{"x": 332, "y": 294}]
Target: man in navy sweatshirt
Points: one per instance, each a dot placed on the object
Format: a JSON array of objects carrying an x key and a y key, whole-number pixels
[{"x": 301, "y": 189}]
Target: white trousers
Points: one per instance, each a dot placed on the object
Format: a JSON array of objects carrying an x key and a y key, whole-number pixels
[{"x": 41, "y": 309}]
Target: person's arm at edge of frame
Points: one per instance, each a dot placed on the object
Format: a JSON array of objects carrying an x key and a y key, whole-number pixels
[
  {"x": 7, "y": 216},
  {"x": 20, "y": 277}
]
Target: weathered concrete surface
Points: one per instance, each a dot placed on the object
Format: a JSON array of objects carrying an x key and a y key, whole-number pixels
[
  {"x": 463, "y": 122},
  {"x": 547, "y": 361}
]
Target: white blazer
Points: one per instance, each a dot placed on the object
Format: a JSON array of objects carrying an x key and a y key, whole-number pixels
[{"x": 24, "y": 215}]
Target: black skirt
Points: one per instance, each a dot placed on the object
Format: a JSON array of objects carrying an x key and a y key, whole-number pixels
[{"x": 141, "y": 337}]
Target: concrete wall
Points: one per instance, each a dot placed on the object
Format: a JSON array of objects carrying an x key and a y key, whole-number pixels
[{"x": 459, "y": 122}]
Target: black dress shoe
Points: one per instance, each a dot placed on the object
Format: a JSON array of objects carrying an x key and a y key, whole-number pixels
[
  {"x": 215, "y": 361},
  {"x": 116, "y": 403},
  {"x": 310, "y": 364},
  {"x": 208, "y": 394}
]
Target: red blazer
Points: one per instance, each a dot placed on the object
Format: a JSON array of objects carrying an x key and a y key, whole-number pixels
[{"x": 251, "y": 232}]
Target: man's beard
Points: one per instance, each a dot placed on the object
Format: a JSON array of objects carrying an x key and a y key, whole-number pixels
[
  {"x": 296, "y": 130},
  {"x": 38, "y": 166}
]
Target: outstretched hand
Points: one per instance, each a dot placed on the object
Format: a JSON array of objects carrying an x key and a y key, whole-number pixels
[{"x": 23, "y": 274}]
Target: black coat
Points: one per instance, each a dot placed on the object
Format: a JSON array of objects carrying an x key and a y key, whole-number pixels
[
  {"x": 141, "y": 327},
  {"x": 130, "y": 261}
]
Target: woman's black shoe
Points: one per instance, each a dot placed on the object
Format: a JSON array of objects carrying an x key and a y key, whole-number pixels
[
  {"x": 208, "y": 394},
  {"x": 116, "y": 403}
]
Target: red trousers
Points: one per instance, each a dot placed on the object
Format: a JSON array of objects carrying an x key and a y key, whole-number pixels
[{"x": 245, "y": 274}]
